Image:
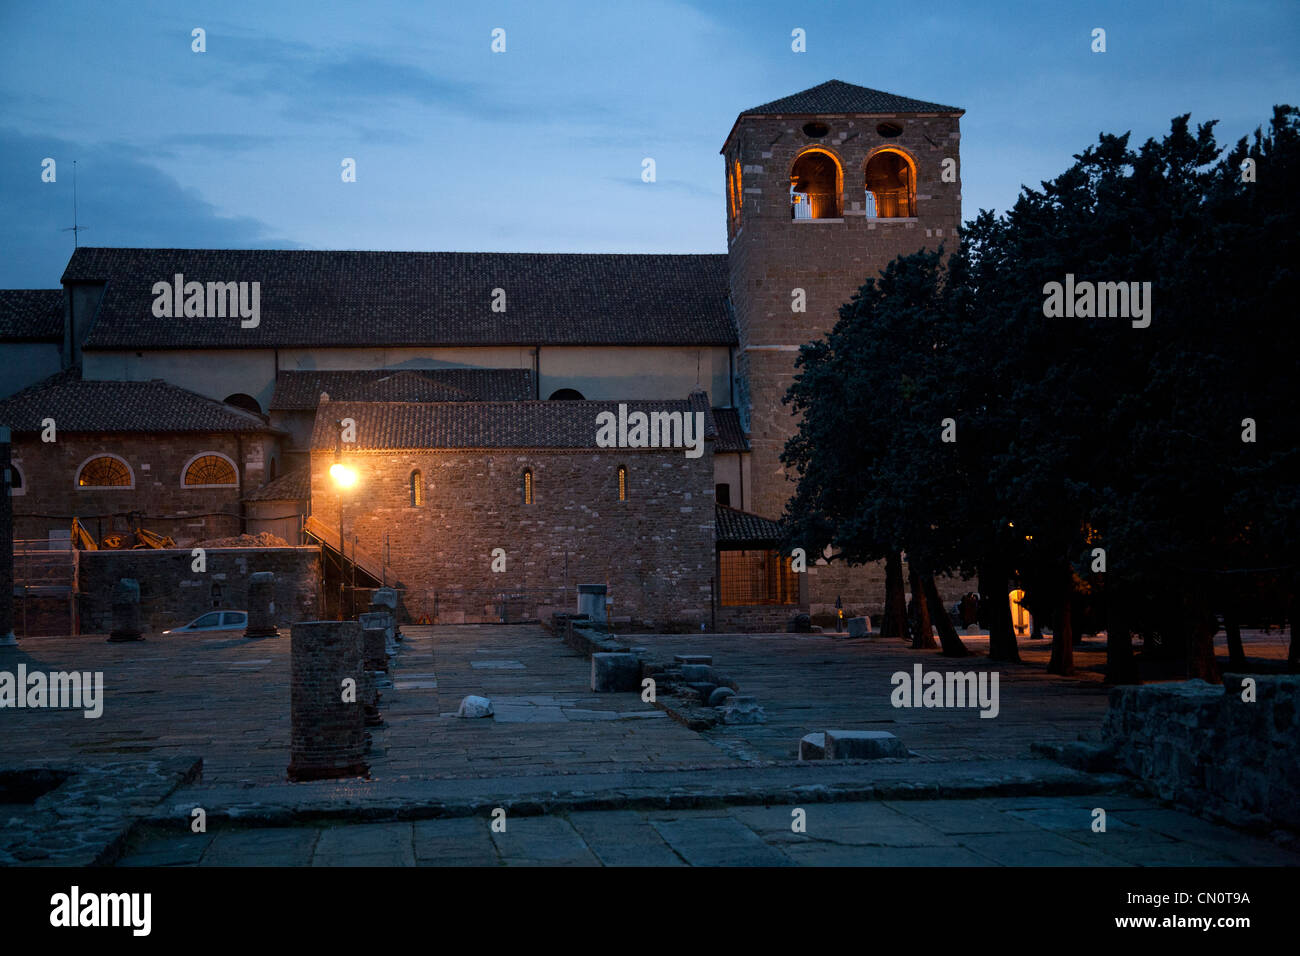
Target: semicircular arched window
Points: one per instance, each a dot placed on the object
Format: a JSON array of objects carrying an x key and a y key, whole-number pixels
[
  {"x": 890, "y": 185},
  {"x": 210, "y": 470},
  {"x": 565, "y": 395},
  {"x": 816, "y": 182},
  {"x": 106, "y": 471}
]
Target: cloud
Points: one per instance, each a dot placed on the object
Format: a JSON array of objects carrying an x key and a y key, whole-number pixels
[{"x": 122, "y": 201}]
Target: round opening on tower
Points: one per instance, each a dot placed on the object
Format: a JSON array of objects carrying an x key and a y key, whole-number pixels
[
  {"x": 890, "y": 130},
  {"x": 815, "y": 130}
]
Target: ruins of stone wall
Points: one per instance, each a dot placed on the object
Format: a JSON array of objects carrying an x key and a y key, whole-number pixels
[
  {"x": 172, "y": 593},
  {"x": 1202, "y": 745}
]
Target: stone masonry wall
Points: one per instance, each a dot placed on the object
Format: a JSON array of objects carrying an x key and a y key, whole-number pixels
[
  {"x": 1202, "y": 745},
  {"x": 770, "y": 255},
  {"x": 51, "y": 494},
  {"x": 171, "y": 593},
  {"x": 655, "y": 550}
]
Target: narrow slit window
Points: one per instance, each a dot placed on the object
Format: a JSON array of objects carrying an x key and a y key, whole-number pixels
[
  {"x": 528, "y": 486},
  {"x": 622, "y": 482},
  {"x": 417, "y": 489}
]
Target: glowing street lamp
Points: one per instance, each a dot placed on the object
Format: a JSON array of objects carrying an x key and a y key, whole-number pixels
[{"x": 344, "y": 478}]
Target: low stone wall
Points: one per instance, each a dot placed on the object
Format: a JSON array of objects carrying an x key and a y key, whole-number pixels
[
  {"x": 1203, "y": 745},
  {"x": 172, "y": 593},
  {"x": 755, "y": 618}
]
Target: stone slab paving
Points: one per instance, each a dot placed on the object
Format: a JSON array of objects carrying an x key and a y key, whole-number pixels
[
  {"x": 226, "y": 700},
  {"x": 1016, "y": 831},
  {"x": 557, "y": 746}
]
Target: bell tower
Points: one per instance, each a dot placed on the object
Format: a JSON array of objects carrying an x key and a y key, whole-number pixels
[{"x": 824, "y": 188}]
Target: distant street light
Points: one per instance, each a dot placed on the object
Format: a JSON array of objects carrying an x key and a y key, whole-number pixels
[{"x": 344, "y": 478}]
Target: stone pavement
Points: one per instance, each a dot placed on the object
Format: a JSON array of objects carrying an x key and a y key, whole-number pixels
[
  {"x": 554, "y": 747},
  {"x": 997, "y": 831},
  {"x": 226, "y": 700}
]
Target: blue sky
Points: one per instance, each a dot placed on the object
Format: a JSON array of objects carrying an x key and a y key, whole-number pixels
[{"x": 540, "y": 148}]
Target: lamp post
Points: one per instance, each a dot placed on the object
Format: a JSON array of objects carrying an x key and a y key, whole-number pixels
[{"x": 344, "y": 478}]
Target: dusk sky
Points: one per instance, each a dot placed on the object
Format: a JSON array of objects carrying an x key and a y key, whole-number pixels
[{"x": 540, "y": 148}]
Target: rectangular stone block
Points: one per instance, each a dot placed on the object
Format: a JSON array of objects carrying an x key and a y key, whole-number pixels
[
  {"x": 615, "y": 672},
  {"x": 862, "y": 745},
  {"x": 859, "y": 626},
  {"x": 693, "y": 658}
]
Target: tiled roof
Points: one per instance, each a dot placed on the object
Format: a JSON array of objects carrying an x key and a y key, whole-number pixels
[
  {"x": 31, "y": 315},
  {"x": 293, "y": 485},
  {"x": 298, "y": 390},
  {"x": 730, "y": 435},
  {"x": 835, "y": 96},
  {"x": 94, "y": 406},
  {"x": 383, "y": 425},
  {"x": 734, "y": 526},
  {"x": 390, "y": 299}
]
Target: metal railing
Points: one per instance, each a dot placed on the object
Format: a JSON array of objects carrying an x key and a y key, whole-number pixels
[
  {"x": 815, "y": 205},
  {"x": 890, "y": 203}
]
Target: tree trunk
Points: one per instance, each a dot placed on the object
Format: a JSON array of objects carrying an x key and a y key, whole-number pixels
[
  {"x": 1002, "y": 635},
  {"x": 1062, "y": 661},
  {"x": 1199, "y": 634},
  {"x": 948, "y": 638},
  {"x": 1293, "y": 652},
  {"x": 1121, "y": 668},
  {"x": 894, "y": 623},
  {"x": 1232, "y": 628},
  {"x": 923, "y": 638}
]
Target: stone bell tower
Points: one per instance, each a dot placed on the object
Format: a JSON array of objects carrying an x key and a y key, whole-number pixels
[{"x": 824, "y": 188}]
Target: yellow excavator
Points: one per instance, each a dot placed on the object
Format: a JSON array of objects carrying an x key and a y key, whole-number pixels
[{"x": 119, "y": 540}]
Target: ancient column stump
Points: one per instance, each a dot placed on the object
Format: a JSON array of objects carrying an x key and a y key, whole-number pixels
[
  {"x": 261, "y": 605},
  {"x": 126, "y": 611},
  {"x": 591, "y": 602},
  {"x": 329, "y": 732}
]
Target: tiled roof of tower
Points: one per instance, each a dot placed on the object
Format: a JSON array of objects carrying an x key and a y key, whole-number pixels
[
  {"x": 731, "y": 437},
  {"x": 78, "y": 405},
  {"x": 734, "y": 526},
  {"x": 301, "y": 390},
  {"x": 390, "y": 425},
  {"x": 391, "y": 299},
  {"x": 293, "y": 485},
  {"x": 31, "y": 315},
  {"x": 835, "y": 96}
]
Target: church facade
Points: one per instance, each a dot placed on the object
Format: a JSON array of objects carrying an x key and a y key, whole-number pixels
[{"x": 198, "y": 393}]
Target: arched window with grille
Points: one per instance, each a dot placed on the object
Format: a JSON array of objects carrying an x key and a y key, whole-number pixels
[
  {"x": 622, "y": 482},
  {"x": 209, "y": 469},
  {"x": 816, "y": 185},
  {"x": 417, "y": 489},
  {"x": 526, "y": 486},
  {"x": 105, "y": 471},
  {"x": 890, "y": 185}
]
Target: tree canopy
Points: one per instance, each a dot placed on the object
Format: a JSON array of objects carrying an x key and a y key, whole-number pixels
[{"x": 949, "y": 415}]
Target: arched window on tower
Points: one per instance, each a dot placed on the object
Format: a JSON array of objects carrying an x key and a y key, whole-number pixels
[
  {"x": 526, "y": 486},
  {"x": 890, "y": 185},
  {"x": 565, "y": 395},
  {"x": 622, "y": 482},
  {"x": 417, "y": 489},
  {"x": 816, "y": 185}
]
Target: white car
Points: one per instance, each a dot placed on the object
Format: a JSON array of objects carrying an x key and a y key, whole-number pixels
[{"x": 214, "y": 621}]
